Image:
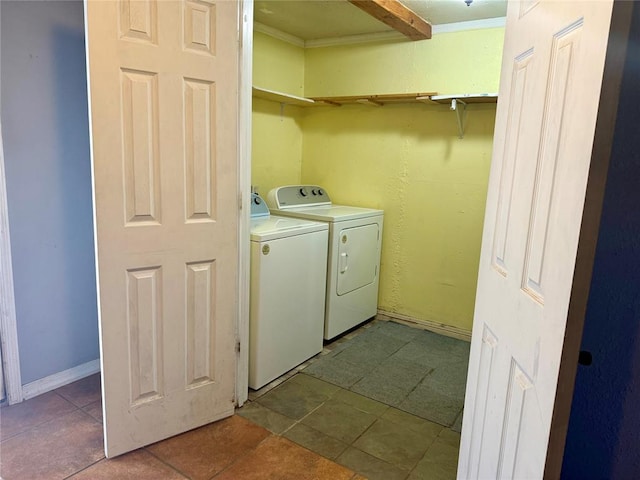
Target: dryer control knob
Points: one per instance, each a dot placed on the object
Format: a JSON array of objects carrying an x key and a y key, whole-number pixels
[
  {"x": 303, "y": 192},
  {"x": 320, "y": 192},
  {"x": 257, "y": 201},
  {"x": 314, "y": 192}
]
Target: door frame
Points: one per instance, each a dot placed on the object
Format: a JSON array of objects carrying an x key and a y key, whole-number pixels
[
  {"x": 8, "y": 323},
  {"x": 245, "y": 66}
]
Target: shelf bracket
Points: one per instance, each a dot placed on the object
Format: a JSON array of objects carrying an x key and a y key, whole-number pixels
[{"x": 460, "y": 108}]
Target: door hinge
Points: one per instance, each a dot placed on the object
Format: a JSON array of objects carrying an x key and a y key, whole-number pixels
[
  {"x": 240, "y": 201},
  {"x": 237, "y": 346}
]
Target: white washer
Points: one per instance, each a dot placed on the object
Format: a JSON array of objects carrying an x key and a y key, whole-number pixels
[
  {"x": 353, "y": 266},
  {"x": 288, "y": 278}
]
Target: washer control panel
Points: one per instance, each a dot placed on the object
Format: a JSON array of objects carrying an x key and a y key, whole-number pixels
[
  {"x": 298, "y": 196},
  {"x": 258, "y": 206}
]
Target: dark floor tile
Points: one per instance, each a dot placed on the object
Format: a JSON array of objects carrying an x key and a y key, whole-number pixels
[
  {"x": 369, "y": 466},
  {"x": 398, "y": 331},
  {"x": 394, "y": 443},
  {"x": 294, "y": 399},
  {"x": 95, "y": 410},
  {"x": 392, "y": 381},
  {"x": 278, "y": 458},
  {"x": 55, "y": 449},
  {"x": 83, "y": 392},
  {"x": 315, "y": 441},
  {"x": 360, "y": 402},
  {"x": 426, "y": 470},
  {"x": 338, "y": 372},
  {"x": 19, "y": 418},
  {"x": 339, "y": 420},
  {"x": 421, "y": 354},
  {"x": 432, "y": 405},
  {"x": 449, "y": 380},
  {"x": 204, "y": 452},
  {"x": 438, "y": 351},
  {"x": 457, "y": 425},
  {"x": 412, "y": 422},
  {"x": 449, "y": 437},
  {"x": 372, "y": 347},
  {"x": 441, "y": 459},
  {"x": 265, "y": 417},
  {"x": 137, "y": 465},
  {"x": 314, "y": 384}
]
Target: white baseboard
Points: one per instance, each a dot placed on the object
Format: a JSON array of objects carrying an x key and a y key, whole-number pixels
[
  {"x": 441, "y": 328},
  {"x": 60, "y": 379}
]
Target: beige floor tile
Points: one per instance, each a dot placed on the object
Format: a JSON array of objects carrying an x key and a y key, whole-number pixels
[
  {"x": 83, "y": 392},
  {"x": 55, "y": 449},
  {"x": 137, "y": 465},
  {"x": 95, "y": 410},
  {"x": 205, "y": 451},
  {"x": 278, "y": 458},
  {"x": 19, "y": 418}
]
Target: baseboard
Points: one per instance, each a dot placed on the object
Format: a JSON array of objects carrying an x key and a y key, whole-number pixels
[
  {"x": 60, "y": 379},
  {"x": 441, "y": 328}
]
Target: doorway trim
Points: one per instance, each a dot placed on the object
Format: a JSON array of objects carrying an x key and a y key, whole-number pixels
[
  {"x": 245, "y": 66},
  {"x": 8, "y": 323}
]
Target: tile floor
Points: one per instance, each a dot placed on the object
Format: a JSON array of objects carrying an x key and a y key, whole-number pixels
[
  {"x": 340, "y": 419},
  {"x": 384, "y": 401},
  {"x": 58, "y": 435},
  {"x": 415, "y": 370}
]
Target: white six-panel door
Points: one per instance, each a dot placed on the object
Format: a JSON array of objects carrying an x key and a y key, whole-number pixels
[
  {"x": 551, "y": 78},
  {"x": 163, "y": 79}
]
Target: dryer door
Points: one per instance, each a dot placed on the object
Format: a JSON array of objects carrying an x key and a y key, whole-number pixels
[{"x": 357, "y": 257}]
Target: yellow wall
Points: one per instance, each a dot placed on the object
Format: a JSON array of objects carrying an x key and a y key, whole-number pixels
[
  {"x": 277, "y": 65},
  {"x": 409, "y": 161},
  {"x": 457, "y": 62},
  {"x": 406, "y": 159},
  {"x": 276, "y": 133}
]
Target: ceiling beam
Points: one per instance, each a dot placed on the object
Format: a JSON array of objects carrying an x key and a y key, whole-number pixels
[{"x": 397, "y": 16}]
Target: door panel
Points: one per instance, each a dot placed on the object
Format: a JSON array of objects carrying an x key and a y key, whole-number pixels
[
  {"x": 553, "y": 63},
  {"x": 163, "y": 82}
]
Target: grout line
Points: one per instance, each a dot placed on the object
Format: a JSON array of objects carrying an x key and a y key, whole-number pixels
[
  {"x": 38, "y": 425},
  {"x": 246, "y": 454},
  {"x": 164, "y": 462},
  {"x": 85, "y": 468}
]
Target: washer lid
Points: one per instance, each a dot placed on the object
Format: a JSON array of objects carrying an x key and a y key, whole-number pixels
[
  {"x": 330, "y": 213},
  {"x": 274, "y": 227}
]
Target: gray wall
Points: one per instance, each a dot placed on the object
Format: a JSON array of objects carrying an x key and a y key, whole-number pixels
[
  {"x": 603, "y": 440},
  {"x": 48, "y": 168}
]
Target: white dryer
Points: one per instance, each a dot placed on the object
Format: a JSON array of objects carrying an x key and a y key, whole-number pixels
[
  {"x": 288, "y": 278},
  {"x": 353, "y": 266}
]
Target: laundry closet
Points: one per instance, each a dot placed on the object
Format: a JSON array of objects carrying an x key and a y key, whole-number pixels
[{"x": 405, "y": 157}]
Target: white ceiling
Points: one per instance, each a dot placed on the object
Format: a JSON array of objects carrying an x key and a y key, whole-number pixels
[{"x": 321, "y": 19}]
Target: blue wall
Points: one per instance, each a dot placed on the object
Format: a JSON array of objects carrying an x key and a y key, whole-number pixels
[
  {"x": 603, "y": 440},
  {"x": 46, "y": 145}
]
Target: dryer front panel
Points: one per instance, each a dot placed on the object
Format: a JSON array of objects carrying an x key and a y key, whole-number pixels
[{"x": 358, "y": 257}]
